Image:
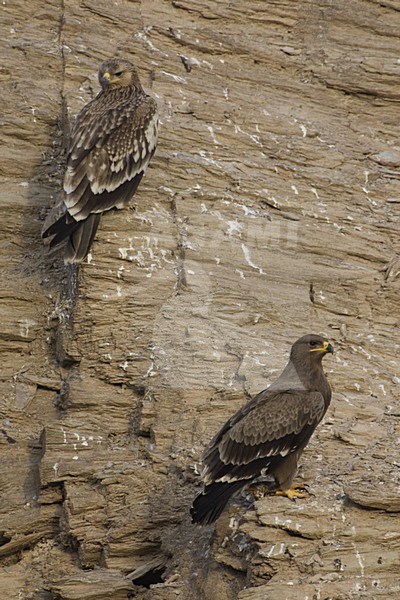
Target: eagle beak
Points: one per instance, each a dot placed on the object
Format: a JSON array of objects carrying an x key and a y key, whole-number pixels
[
  {"x": 325, "y": 348},
  {"x": 105, "y": 79}
]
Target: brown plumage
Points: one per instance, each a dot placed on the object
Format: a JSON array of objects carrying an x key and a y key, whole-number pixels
[
  {"x": 111, "y": 144},
  {"x": 267, "y": 435}
]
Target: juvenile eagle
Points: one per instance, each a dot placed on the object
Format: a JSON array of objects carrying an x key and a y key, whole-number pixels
[
  {"x": 268, "y": 435},
  {"x": 111, "y": 144}
]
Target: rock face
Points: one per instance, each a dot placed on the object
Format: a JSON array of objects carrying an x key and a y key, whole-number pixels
[{"x": 271, "y": 209}]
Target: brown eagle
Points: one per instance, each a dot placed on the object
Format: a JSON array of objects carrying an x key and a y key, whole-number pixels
[
  {"x": 111, "y": 144},
  {"x": 268, "y": 435}
]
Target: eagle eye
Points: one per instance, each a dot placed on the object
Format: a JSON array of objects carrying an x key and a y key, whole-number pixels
[
  {"x": 118, "y": 73},
  {"x": 313, "y": 343}
]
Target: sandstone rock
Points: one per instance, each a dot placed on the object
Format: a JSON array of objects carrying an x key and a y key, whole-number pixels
[{"x": 269, "y": 210}]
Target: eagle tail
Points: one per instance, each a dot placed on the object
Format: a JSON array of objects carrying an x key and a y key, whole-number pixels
[
  {"x": 80, "y": 235},
  {"x": 208, "y": 505},
  {"x": 81, "y": 239}
]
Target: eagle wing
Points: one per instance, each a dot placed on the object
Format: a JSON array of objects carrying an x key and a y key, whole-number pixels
[
  {"x": 271, "y": 426},
  {"x": 108, "y": 155}
]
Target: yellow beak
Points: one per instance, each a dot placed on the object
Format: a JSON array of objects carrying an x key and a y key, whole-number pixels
[
  {"x": 106, "y": 78},
  {"x": 326, "y": 347}
]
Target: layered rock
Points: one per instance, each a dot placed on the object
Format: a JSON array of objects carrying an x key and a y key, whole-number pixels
[{"x": 270, "y": 209}]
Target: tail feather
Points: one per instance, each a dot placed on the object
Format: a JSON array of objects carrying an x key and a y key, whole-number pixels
[
  {"x": 80, "y": 242},
  {"x": 79, "y": 235},
  {"x": 60, "y": 230},
  {"x": 208, "y": 505}
]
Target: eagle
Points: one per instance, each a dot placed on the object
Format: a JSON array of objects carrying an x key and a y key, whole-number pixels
[
  {"x": 110, "y": 147},
  {"x": 268, "y": 435}
]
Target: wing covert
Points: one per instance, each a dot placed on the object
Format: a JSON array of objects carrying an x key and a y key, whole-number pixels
[
  {"x": 276, "y": 426},
  {"x": 107, "y": 154}
]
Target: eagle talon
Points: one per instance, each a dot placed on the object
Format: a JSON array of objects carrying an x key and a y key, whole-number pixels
[{"x": 294, "y": 492}]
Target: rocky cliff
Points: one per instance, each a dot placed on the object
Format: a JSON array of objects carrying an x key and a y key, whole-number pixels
[{"x": 270, "y": 209}]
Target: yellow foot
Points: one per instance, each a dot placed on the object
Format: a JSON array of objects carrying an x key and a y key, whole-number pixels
[{"x": 296, "y": 491}]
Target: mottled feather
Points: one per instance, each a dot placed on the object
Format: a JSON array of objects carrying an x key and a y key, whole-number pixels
[
  {"x": 111, "y": 145},
  {"x": 280, "y": 423}
]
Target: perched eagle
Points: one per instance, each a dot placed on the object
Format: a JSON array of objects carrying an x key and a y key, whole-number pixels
[
  {"x": 111, "y": 144},
  {"x": 268, "y": 435}
]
